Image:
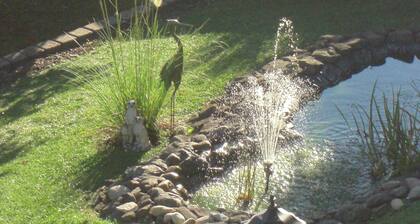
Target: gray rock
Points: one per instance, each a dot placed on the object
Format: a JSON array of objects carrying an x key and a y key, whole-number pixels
[
  {"x": 194, "y": 165},
  {"x": 203, "y": 220},
  {"x": 310, "y": 65},
  {"x": 198, "y": 138},
  {"x": 179, "y": 138},
  {"x": 143, "y": 170},
  {"x": 160, "y": 210},
  {"x": 172, "y": 176},
  {"x": 218, "y": 217},
  {"x": 167, "y": 200},
  {"x": 412, "y": 182},
  {"x": 132, "y": 184},
  {"x": 150, "y": 181},
  {"x": 199, "y": 211},
  {"x": 201, "y": 146},
  {"x": 326, "y": 55},
  {"x": 397, "y": 204},
  {"x": 399, "y": 192},
  {"x": 378, "y": 199},
  {"x": 116, "y": 191},
  {"x": 186, "y": 213},
  {"x": 129, "y": 216},
  {"x": 127, "y": 207},
  {"x": 190, "y": 221},
  {"x": 160, "y": 163},
  {"x": 401, "y": 37},
  {"x": 176, "y": 169},
  {"x": 129, "y": 197},
  {"x": 414, "y": 194},
  {"x": 166, "y": 185},
  {"x": 137, "y": 193},
  {"x": 390, "y": 185},
  {"x": 379, "y": 55},
  {"x": 374, "y": 39},
  {"x": 155, "y": 192},
  {"x": 353, "y": 213}
]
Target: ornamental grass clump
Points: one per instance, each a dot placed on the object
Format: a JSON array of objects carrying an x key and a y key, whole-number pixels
[
  {"x": 389, "y": 133},
  {"x": 135, "y": 56}
]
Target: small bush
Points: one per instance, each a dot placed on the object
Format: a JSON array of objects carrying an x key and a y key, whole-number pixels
[{"x": 389, "y": 133}]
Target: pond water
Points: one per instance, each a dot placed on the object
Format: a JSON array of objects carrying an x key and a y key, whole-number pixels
[{"x": 327, "y": 168}]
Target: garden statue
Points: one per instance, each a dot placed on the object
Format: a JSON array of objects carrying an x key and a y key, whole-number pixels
[
  {"x": 174, "y": 67},
  {"x": 134, "y": 133}
]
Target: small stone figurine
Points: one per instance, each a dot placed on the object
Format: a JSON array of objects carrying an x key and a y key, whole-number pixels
[{"x": 133, "y": 132}]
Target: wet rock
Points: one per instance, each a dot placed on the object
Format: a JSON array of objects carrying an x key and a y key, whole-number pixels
[
  {"x": 397, "y": 204},
  {"x": 173, "y": 159},
  {"x": 167, "y": 200},
  {"x": 201, "y": 146},
  {"x": 310, "y": 65},
  {"x": 172, "y": 176},
  {"x": 414, "y": 194},
  {"x": 401, "y": 37},
  {"x": 129, "y": 216},
  {"x": 326, "y": 55},
  {"x": 186, "y": 213},
  {"x": 174, "y": 218},
  {"x": 387, "y": 186},
  {"x": 399, "y": 192},
  {"x": 412, "y": 182},
  {"x": 332, "y": 73},
  {"x": 378, "y": 199},
  {"x": 207, "y": 112},
  {"x": 194, "y": 165},
  {"x": 345, "y": 64},
  {"x": 379, "y": 55},
  {"x": 127, "y": 207},
  {"x": 361, "y": 59},
  {"x": 116, "y": 191}
]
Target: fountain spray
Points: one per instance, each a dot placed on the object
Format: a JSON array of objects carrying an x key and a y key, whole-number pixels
[{"x": 268, "y": 170}]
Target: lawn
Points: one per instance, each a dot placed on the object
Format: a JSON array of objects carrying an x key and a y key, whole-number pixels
[{"x": 52, "y": 155}]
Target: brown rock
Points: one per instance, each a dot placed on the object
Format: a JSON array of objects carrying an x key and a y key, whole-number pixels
[
  {"x": 186, "y": 213},
  {"x": 401, "y": 37},
  {"x": 166, "y": 185},
  {"x": 310, "y": 65},
  {"x": 172, "y": 176},
  {"x": 326, "y": 54},
  {"x": 167, "y": 200},
  {"x": 201, "y": 146}
]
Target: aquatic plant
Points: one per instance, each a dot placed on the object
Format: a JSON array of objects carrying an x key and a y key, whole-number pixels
[
  {"x": 136, "y": 57},
  {"x": 389, "y": 133}
]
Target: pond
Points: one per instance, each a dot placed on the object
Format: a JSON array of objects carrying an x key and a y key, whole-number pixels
[{"x": 327, "y": 168}]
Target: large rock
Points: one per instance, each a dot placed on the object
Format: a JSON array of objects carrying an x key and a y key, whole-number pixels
[
  {"x": 387, "y": 186},
  {"x": 172, "y": 176},
  {"x": 155, "y": 192},
  {"x": 399, "y": 192},
  {"x": 414, "y": 194},
  {"x": 148, "y": 182},
  {"x": 401, "y": 37},
  {"x": 143, "y": 170},
  {"x": 194, "y": 165},
  {"x": 374, "y": 39},
  {"x": 127, "y": 207},
  {"x": 116, "y": 191},
  {"x": 186, "y": 213},
  {"x": 167, "y": 200},
  {"x": 173, "y": 159},
  {"x": 348, "y": 46},
  {"x": 310, "y": 65},
  {"x": 201, "y": 146},
  {"x": 160, "y": 210},
  {"x": 174, "y": 218},
  {"x": 326, "y": 55},
  {"x": 378, "y": 199},
  {"x": 412, "y": 182}
]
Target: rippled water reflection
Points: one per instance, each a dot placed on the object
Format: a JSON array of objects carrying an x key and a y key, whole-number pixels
[{"x": 327, "y": 168}]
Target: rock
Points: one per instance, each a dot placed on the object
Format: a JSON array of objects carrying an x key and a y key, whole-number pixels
[
  {"x": 144, "y": 211},
  {"x": 378, "y": 199},
  {"x": 129, "y": 197},
  {"x": 145, "y": 202},
  {"x": 353, "y": 213},
  {"x": 417, "y": 38},
  {"x": 326, "y": 55},
  {"x": 194, "y": 165},
  {"x": 329, "y": 38},
  {"x": 401, "y": 37},
  {"x": 155, "y": 192},
  {"x": 129, "y": 216},
  {"x": 137, "y": 193},
  {"x": 310, "y": 65},
  {"x": 127, "y": 207},
  {"x": 399, "y": 192},
  {"x": 176, "y": 169},
  {"x": 202, "y": 220},
  {"x": 198, "y": 138},
  {"x": 218, "y": 217},
  {"x": 174, "y": 218},
  {"x": 329, "y": 221},
  {"x": 207, "y": 112},
  {"x": 379, "y": 55},
  {"x": 239, "y": 218},
  {"x": 412, "y": 182},
  {"x": 186, "y": 213},
  {"x": 201, "y": 146},
  {"x": 174, "y": 147},
  {"x": 116, "y": 191},
  {"x": 166, "y": 185},
  {"x": 332, "y": 73},
  {"x": 179, "y": 138},
  {"x": 397, "y": 204},
  {"x": 160, "y": 210},
  {"x": 348, "y": 46},
  {"x": 150, "y": 181},
  {"x": 189, "y": 221},
  {"x": 414, "y": 194},
  {"x": 160, "y": 163},
  {"x": 145, "y": 169},
  {"x": 172, "y": 176},
  {"x": 167, "y": 200},
  {"x": 132, "y": 184},
  {"x": 387, "y": 186},
  {"x": 173, "y": 159},
  {"x": 374, "y": 39}
]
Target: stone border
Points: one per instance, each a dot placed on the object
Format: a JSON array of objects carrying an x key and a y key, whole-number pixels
[
  {"x": 158, "y": 190},
  {"x": 65, "y": 41}
]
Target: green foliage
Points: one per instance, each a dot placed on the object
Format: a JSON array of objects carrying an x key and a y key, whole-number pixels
[
  {"x": 133, "y": 73},
  {"x": 389, "y": 133}
]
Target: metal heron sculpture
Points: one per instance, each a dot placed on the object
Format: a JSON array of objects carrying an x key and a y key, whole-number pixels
[{"x": 173, "y": 69}]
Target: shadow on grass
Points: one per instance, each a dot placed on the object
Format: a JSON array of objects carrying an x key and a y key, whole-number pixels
[{"x": 108, "y": 164}]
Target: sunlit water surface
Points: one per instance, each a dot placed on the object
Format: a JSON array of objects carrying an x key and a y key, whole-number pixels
[{"x": 328, "y": 168}]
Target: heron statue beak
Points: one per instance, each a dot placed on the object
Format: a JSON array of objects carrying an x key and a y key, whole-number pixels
[{"x": 176, "y": 22}]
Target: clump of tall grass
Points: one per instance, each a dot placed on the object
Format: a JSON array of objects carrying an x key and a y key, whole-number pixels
[
  {"x": 136, "y": 56},
  {"x": 389, "y": 133},
  {"x": 247, "y": 180}
]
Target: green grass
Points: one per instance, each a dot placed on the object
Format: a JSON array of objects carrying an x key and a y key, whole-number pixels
[
  {"x": 50, "y": 129},
  {"x": 408, "y": 215}
]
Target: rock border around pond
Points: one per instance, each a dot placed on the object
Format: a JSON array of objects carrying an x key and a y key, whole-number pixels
[{"x": 158, "y": 190}]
